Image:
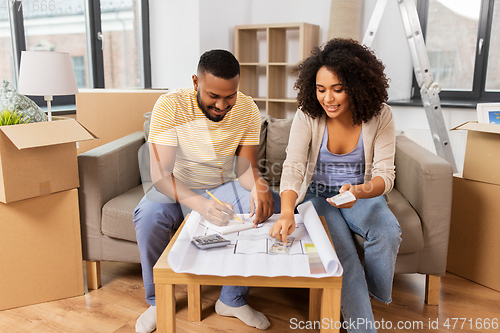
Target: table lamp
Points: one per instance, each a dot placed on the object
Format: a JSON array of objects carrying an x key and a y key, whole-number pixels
[{"x": 46, "y": 73}]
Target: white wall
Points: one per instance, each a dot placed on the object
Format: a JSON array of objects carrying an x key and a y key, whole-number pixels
[
  {"x": 391, "y": 47},
  {"x": 412, "y": 121},
  {"x": 182, "y": 30},
  {"x": 217, "y": 21},
  {"x": 175, "y": 41}
]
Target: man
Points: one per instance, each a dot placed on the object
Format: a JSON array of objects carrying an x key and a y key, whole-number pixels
[{"x": 195, "y": 136}]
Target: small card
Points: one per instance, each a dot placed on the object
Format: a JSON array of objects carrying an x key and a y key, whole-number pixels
[
  {"x": 279, "y": 248},
  {"x": 343, "y": 198}
]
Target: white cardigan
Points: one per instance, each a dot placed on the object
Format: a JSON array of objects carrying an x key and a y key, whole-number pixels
[{"x": 304, "y": 144}]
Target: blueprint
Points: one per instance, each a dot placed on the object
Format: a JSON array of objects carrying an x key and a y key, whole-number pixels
[{"x": 248, "y": 254}]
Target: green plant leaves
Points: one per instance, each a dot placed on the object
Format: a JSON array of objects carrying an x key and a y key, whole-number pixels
[{"x": 8, "y": 117}]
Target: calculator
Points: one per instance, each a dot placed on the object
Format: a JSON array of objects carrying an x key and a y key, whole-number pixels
[{"x": 210, "y": 241}]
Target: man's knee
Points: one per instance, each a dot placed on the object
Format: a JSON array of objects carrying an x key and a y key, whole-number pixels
[
  {"x": 277, "y": 202},
  {"x": 157, "y": 216}
]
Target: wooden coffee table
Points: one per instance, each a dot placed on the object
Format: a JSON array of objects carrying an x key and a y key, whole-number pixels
[{"x": 324, "y": 295}]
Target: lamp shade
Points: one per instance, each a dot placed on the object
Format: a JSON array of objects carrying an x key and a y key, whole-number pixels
[{"x": 46, "y": 73}]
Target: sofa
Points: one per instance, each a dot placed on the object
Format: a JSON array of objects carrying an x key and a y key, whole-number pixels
[{"x": 111, "y": 187}]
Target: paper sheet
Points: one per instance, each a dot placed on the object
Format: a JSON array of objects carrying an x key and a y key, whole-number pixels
[
  {"x": 232, "y": 226},
  {"x": 248, "y": 254}
]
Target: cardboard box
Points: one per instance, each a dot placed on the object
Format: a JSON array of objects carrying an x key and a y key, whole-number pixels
[
  {"x": 39, "y": 158},
  {"x": 474, "y": 247},
  {"x": 40, "y": 247},
  {"x": 111, "y": 113},
  {"x": 482, "y": 152}
]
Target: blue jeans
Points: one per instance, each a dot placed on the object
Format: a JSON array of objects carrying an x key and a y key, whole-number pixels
[
  {"x": 156, "y": 215},
  {"x": 373, "y": 220}
]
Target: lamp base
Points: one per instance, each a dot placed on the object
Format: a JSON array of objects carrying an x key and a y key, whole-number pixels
[{"x": 49, "y": 111}]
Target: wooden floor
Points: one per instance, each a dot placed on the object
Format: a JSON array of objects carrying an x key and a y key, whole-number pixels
[{"x": 116, "y": 306}]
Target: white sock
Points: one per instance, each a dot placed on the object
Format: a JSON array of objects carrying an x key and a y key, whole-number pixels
[
  {"x": 244, "y": 313},
  {"x": 146, "y": 323}
]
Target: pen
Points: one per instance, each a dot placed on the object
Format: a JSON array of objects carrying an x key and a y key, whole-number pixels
[{"x": 210, "y": 194}]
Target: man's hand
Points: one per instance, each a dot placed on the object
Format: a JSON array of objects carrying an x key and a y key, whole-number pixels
[
  {"x": 283, "y": 227},
  {"x": 261, "y": 202},
  {"x": 261, "y": 198},
  {"x": 216, "y": 213}
]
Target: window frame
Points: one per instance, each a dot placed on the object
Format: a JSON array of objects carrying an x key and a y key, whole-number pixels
[
  {"x": 478, "y": 92},
  {"x": 94, "y": 46}
]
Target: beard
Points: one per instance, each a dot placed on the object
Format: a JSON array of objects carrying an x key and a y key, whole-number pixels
[{"x": 204, "y": 109}]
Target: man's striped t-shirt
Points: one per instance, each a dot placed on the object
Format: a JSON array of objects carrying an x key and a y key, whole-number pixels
[{"x": 205, "y": 149}]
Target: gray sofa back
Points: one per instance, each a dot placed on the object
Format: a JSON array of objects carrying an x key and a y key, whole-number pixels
[{"x": 273, "y": 142}]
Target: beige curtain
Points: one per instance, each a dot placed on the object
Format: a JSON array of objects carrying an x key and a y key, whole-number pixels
[{"x": 345, "y": 19}]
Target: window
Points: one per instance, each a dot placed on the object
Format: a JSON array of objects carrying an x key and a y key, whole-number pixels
[
  {"x": 121, "y": 57},
  {"x": 493, "y": 73},
  {"x": 60, "y": 27},
  {"x": 108, "y": 40},
  {"x": 79, "y": 68},
  {"x": 463, "y": 43},
  {"x": 6, "y": 60}
]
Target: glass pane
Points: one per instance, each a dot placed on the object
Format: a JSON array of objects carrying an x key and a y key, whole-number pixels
[
  {"x": 121, "y": 56},
  {"x": 6, "y": 60},
  {"x": 52, "y": 25},
  {"x": 452, "y": 28},
  {"x": 493, "y": 71}
]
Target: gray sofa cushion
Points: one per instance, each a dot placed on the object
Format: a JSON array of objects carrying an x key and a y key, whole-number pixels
[
  {"x": 118, "y": 215},
  {"x": 146, "y": 124},
  {"x": 411, "y": 226},
  {"x": 277, "y": 139},
  {"x": 261, "y": 154}
]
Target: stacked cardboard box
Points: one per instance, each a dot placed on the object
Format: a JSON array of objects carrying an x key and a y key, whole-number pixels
[
  {"x": 474, "y": 250},
  {"x": 113, "y": 113},
  {"x": 40, "y": 244}
]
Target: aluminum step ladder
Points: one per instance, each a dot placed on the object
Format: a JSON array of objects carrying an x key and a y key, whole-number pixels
[{"x": 429, "y": 90}]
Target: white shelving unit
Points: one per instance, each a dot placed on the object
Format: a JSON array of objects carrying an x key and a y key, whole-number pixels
[{"x": 267, "y": 53}]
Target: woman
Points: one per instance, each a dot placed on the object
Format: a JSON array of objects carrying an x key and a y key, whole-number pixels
[{"x": 343, "y": 139}]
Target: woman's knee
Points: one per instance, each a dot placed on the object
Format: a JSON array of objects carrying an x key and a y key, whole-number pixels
[
  {"x": 388, "y": 234},
  {"x": 394, "y": 232},
  {"x": 385, "y": 221}
]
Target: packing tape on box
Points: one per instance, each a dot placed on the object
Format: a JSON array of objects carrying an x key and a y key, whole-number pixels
[{"x": 45, "y": 188}]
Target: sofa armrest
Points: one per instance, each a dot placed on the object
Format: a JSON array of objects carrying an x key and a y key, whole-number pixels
[
  {"x": 426, "y": 181},
  {"x": 105, "y": 172}
]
